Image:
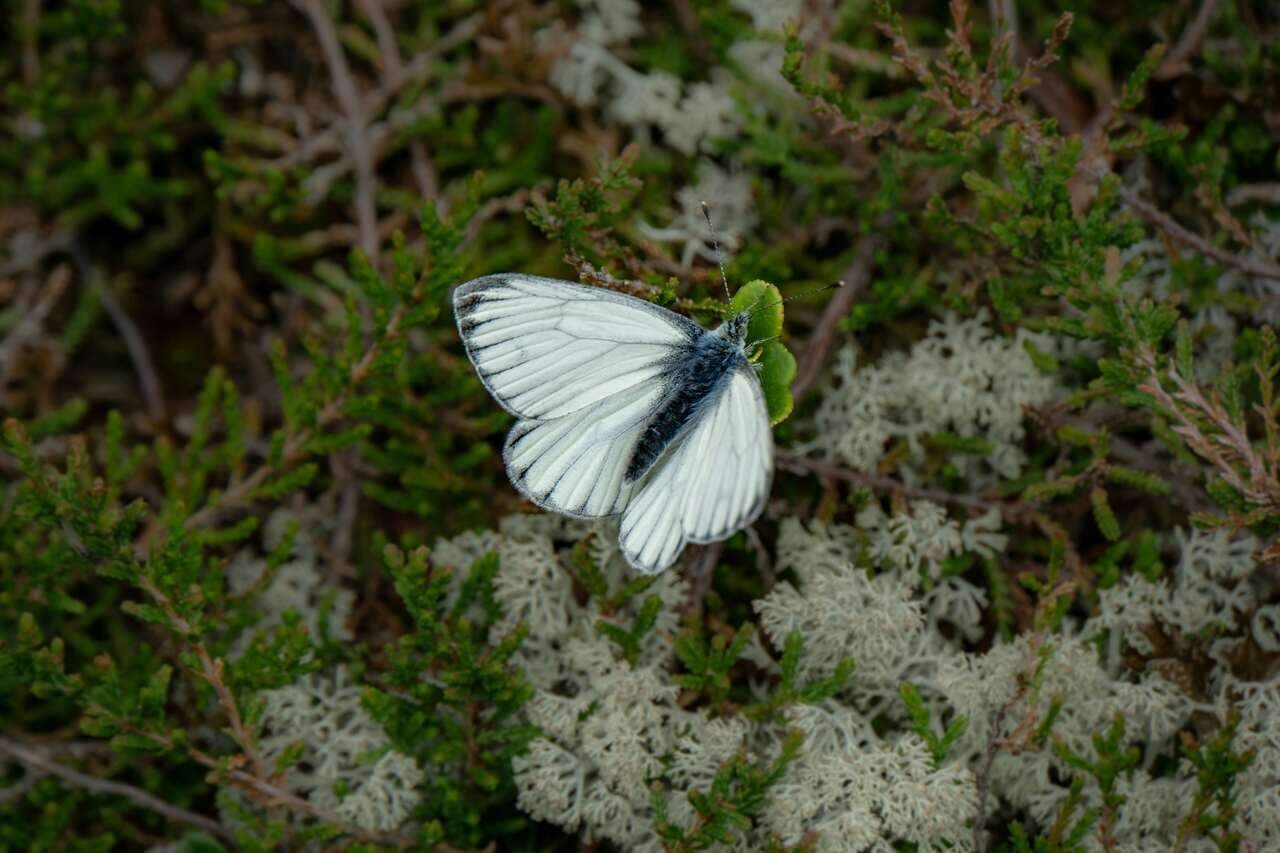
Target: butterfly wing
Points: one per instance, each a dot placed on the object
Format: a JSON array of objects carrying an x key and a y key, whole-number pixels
[
  {"x": 712, "y": 483},
  {"x": 576, "y": 464},
  {"x": 583, "y": 368},
  {"x": 546, "y": 348}
]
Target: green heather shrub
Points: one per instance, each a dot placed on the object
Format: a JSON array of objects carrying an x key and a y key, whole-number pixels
[{"x": 265, "y": 585}]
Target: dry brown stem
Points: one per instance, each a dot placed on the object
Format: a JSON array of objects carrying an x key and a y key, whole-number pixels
[
  {"x": 1178, "y": 60},
  {"x": 1180, "y": 234},
  {"x": 1210, "y": 431},
  {"x": 38, "y": 763},
  {"x": 880, "y": 483},
  {"x": 354, "y": 135},
  {"x": 32, "y": 322},
  {"x": 856, "y": 280}
]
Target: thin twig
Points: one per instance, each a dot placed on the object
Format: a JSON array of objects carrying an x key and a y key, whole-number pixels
[
  {"x": 692, "y": 26},
  {"x": 354, "y": 111},
  {"x": 211, "y": 670},
  {"x": 1180, "y": 234},
  {"x": 856, "y": 279},
  {"x": 385, "y": 35},
  {"x": 270, "y": 794},
  {"x": 30, "y": 41},
  {"x": 983, "y": 779},
  {"x": 36, "y": 762},
  {"x": 32, "y": 321},
  {"x": 134, "y": 342},
  {"x": 1177, "y": 61},
  {"x": 701, "y": 574},
  {"x": 424, "y": 173},
  {"x": 764, "y": 565},
  {"x": 1246, "y": 193},
  {"x": 879, "y": 483},
  {"x": 417, "y": 70},
  {"x": 348, "y": 510}
]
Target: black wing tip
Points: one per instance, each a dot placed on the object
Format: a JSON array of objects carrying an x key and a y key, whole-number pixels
[{"x": 476, "y": 286}]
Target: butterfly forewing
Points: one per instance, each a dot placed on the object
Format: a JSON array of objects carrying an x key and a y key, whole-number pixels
[{"x": 546, "y": 348}]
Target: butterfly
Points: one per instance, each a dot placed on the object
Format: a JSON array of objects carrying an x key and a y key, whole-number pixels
[{"x": 623, "y": 408}]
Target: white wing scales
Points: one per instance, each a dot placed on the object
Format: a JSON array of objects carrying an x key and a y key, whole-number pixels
[
  {"x": 576, "y": 464},
  {"x": 584, "y": 369},
  {"x": 546, "y": 348},
  {"x": 713, "y": 482}
]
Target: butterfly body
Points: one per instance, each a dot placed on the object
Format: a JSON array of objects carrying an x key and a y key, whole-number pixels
[
  {"x": 623, "y": 408},
  {"x": 697, "y": 377}
]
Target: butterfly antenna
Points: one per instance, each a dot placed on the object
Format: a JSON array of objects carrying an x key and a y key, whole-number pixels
[
  {"x": 715, "y": 242},
  {"x": 809, "y": 292}
]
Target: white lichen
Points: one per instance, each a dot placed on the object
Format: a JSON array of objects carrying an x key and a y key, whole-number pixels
[
  {"x": 347, "y": 766},
  {"x": 960, "y": 379}
]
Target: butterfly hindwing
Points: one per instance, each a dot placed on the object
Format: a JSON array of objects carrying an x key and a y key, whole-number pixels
[
  {"x": 713, "y": 482},
  {"x": 576, "y": 464},
  {"x": 546, "y": 348}
]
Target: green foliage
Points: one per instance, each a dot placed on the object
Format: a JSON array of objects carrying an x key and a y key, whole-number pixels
[
  {"x": 1070, "y": 827},
  {"x": 777, "y": 367},
  {"x": 939, "y": 745},
  {"x": 707, "y": 662},
  {"x": 725, "y": 810},
  {"x": 1217, "y": 766},
  {"x": 451, "y": 698},
  {"x": 1112, "y": 761},
  {"x": 789, "y": 690},
  {"x": 628, "y": 638}
]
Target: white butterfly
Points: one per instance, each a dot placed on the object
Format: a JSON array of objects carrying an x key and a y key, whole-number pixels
[{"x": 624, "y": 408}]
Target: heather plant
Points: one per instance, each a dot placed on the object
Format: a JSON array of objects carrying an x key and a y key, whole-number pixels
[{"x": 265, "y": 584}]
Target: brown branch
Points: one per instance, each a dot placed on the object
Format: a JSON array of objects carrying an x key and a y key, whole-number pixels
[
  {"x": 134, "y": 342},
  {"x": 982, "y": 779},
  {"x": 354, "y": 111},
  {"x": 37, "y": 763},
  {"x": 1023, "y": 737},
  {"x": 32, "y": 320},
  {"x": 856, "y": 279},
  {"x": 424, "y": 172},
  {"x": 1180, "y": 234},
  {"x": 692, "y": 26},
  {"x": 30, "y": 28},
  {"x": 796, "y": 463},
  {"x": 385, "y": 35},
  {"x": 701, "y": 574},
  {"x": 417, "y": 70},
  {"x": 1246, "y": 193},
  {"x": 764, "y": 565},
  {"x": 515, "y": 202},
  {"x": 270, "y": 794},
  {"x": 1177, "y": 62},
  {"x": 864, "y": 60},
  {"x": 211, "y": 670}
]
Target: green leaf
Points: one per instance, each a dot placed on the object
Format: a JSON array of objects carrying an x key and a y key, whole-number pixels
[
  {"x": 777, "y": 364},
  {"x": 1104, "y": 515},
  {"x": 777, "y": 369}
]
